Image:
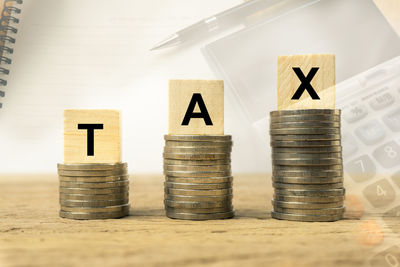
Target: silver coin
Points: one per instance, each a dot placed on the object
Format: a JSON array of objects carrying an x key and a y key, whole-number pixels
[
  {"x": 93, "y": 197},
  {"x": 90, "y": 191},
  {"x": 123, "y": 207},
  {"x": 93, "y": 179},
  {"x": 95, "y": 203},
  {"x": 201, "y": 138},
  {"x": 199, "y": 217},
  {"x": 303, "y": 144},
  {"x": 187, "y": 192},
  {"x": 306, "y": 205},
  {"x": 321, "y": 168},
  {"x": 93, "y": 216},
  {"x": 306, "y": 138},
  {"x": 197, "y": 162},
  {"x": 196, "y": 205},
  {"x": 307, "y": 162},
  {"x": 203, "y": 168},
  {"x": 199, "y": 210},
  {"x": 197, "y": 186},
  {"x": 317, "y": 174},
  {"x": 198, "y": 198},
  {"x": 307, "y": 150},
  {"x": 304, "y": 118},
  {"x": 307, "y": 180},
  {"x": 337, "y": 155},
  {"x": 197, "y": 174},
  {"x": 122, "y": 171},
  {"x": 196, "y": 156},
  {"x": 304, "y": 131},
  {"x": 328, "y": 211},
  {"x": 305, "y": 124},
  {"x": 321, "y": 199},
  {"x": 198, "y": 144},
  {"x": 308, "y": 186},
  {"x": 94, "y": 185},
  {"x": 306, "y": 218},
  {"x": 289, "y": 112},
  {"x": 194, "y": 180},
  {"x": 92, "y": 166},
  {"x": 310, "y": 193},
  {"x": 197, "y": 150}
]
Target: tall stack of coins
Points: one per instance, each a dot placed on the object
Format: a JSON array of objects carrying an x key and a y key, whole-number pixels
[
  {"x": 94, "y": 191},
  {"x": 307, "y": 165},
  {"x": 198, "y": 179}
]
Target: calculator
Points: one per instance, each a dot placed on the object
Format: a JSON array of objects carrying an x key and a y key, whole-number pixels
[{"x": 370, "y": 104}]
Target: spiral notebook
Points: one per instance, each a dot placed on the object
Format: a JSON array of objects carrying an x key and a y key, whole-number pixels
[{"x": 10, "y": 11}]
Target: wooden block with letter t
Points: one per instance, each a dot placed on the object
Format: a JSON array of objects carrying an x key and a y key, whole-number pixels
[
  {"x": 196, "y": 107},
  {"x": 306, "y": 82},
  {"x": 92, "y": 136}
]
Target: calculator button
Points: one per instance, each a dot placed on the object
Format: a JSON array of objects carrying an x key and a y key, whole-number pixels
[
  {"x": 361, "y": 169},
  {"x": 382, "y": 101},
  {"x": 388, "y": 258},
  {"x": 388, "y": 155},
  {"x": 392, "y": 120},
  {"x": 380, "y": 194},
  {"x": 355, "y": 113},
  {"x": 391, "y": 219},
  {"x": 371, "y": 133},
  {"x": 349, "y": 145},
  {"x": 396, "y": 179}
]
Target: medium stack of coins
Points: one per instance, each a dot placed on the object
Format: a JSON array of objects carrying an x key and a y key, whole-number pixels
[
  {"x": 307, "y": 165},
  {"x": 94, "y": 191},
  {"x": 198, "y": 179}
]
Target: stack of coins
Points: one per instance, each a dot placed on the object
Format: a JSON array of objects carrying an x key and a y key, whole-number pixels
[
  {"x": 93, "y": 191},
  {"x": 198, "y": 179},
  {"x": 307, "y": 165}
]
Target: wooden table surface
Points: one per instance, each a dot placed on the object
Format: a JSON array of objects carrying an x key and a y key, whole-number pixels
[{"x": 32, "y": 233}]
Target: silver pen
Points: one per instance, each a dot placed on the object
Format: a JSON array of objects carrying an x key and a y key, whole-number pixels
[{"x": 217, "y": 23}]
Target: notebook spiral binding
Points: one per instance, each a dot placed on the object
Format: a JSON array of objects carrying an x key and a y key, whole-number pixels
[{"x": 8, "y": 20}]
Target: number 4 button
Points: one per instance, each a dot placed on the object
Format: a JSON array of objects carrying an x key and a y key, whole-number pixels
[{"x": 380, "y": 194}]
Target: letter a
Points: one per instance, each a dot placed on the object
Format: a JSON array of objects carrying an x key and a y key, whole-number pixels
[{"x": 197, "y": 99}]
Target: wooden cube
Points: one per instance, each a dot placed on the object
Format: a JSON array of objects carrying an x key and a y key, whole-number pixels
[
  {"x": 294, "y": 80},
  {"x": 196, "y": 107},
  {"x": 92, "y": 136}
]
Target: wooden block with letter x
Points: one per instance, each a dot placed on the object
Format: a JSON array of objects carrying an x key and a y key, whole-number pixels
[
  {"x": 196, "y": 107},
  {"x": 92, "y": 136},
  {"x": 306, "y": 82}
]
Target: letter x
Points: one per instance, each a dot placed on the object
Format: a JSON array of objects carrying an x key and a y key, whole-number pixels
[{"x": 305, "y": 83}]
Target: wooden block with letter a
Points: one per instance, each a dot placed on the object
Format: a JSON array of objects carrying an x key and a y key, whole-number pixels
[
  {"x": 92, "y": 136},
  {"x": 306, "y": 82},
  {"x": 196, "y": 107}
]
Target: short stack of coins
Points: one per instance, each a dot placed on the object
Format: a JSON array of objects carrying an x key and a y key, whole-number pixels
[
  {"x": 93, "y": 191},
  {"x": 198, "y": 178},
  {"x": 307, "y": 165}
]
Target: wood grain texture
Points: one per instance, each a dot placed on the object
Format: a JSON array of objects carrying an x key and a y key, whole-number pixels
[
  {"x": 391, "y": 10},
  {"x": 107, "y": 142},
  {"x": 323, "y": 81},
  {"x": 180, "y": 94},
  {"x": 32, "y": 233}
]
